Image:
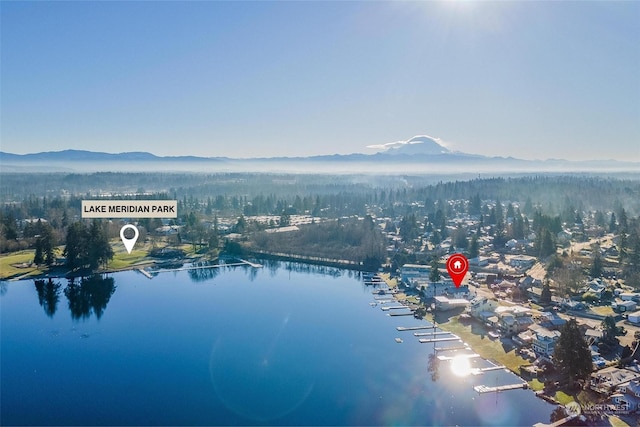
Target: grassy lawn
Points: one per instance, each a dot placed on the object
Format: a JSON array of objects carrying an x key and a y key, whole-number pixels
[
  {"x": 121, "y": 259},
  {"x": 392, "y": 283},
  {"x": 536, "y": 385},
  {"x": 9, "y": 263},
  {"x": 603, "y": 311},
  {"x": 484, "y": 346},
  {"x": 563, "y": 397}
]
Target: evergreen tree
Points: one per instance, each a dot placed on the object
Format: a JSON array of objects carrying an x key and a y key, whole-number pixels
[
  {"x": 434, "y": 274},
  {"x": 610, "y": 331},
  {"x": 545, "y": 296},
  {"x": 474, "y": 247},
  {"x": 613, "y": 226},
  {"x": 596, "y": 264},
  {"x": 572, "y": 353}
]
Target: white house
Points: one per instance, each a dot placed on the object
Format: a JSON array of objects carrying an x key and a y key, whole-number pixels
[
  {"x": 443, "y": 303},
  {"x": 411, "y": 272},
  {"x": 634, "y": 317},
  {"x": 626, "y": 306},
  {"x": 544, "y": 340},
  {"x": 482, "y": 308}
]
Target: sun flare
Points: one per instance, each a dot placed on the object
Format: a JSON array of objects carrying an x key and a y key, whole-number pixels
[{"x": 460, "y": 366}]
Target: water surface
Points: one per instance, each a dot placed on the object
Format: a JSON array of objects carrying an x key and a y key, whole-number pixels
[{"x": 282, "y": 345}]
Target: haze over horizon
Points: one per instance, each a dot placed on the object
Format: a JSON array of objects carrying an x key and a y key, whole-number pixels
[{"x": 530, "y": 80}]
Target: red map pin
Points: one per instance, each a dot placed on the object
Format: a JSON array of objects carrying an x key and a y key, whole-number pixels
[{"x": 457, "y": 266}]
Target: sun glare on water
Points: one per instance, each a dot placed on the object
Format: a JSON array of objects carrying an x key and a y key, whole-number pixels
[{"x": 460, "y": 366}]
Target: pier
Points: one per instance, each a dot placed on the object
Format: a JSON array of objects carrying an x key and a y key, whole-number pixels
[
  {"x": 401, "y": 314},
  {"x": 413, "y": 328},
  {"x": 428, "y": 340},
  {"x": 486, "y": 389},
  {"x": 199, "y": 267},
  {"x": 490, "y": 368},
  {"x": 394, "y": 307},
  {"x": 426, "y": 334},
  {"x": 250, "y": 264},
  {"x": 468, "y": 356},
  {"x": 464, "y": 346},
  {"x": 144, "y": 273}
]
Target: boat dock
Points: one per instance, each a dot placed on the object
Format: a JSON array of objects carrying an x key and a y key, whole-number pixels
[
  {"x": 428, "y": 340},
  {"x": 394, "y": 307},
  {"x": 144, "y": 273},
  {"x": 413, "y": 328},
  {"x": 453, "y": 348},
  {"x": 250, "y": 264},
  {"x": 199, "y": 267},
  {"x": 426, "y": 334},
  {"x": 468, "y": 356},
  {"x": 486, "y": 389},
  {"x": 401, "y": 314},
  {"x": 490, "y": 368}
]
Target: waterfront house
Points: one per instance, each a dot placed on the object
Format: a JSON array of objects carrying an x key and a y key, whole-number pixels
[
  {"x": 412, "y": 272},
  {"x": 608, "y": 379},
  {"x": 482, "y": 308},
  {"x": 628, "y": 394},
  {"x": 513, "y": 319},
  {"x": 544, "y": 340},
  {"x": 443, "y": 303},
  {"x": 551, "y": 320}
]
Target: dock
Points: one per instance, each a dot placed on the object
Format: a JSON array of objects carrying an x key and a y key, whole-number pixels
[
  {"x": 486, "y": 389},
  {"x": 426, "y": 334},
  {"x": 199, "y": 267},
  {"x": 401, "y": 314},
  {"x": 251, "y": 264},
  {"x": 490, "y": 368},
  {"x": 413, "y": 328},
  {"x": 428, "y": 340},
  {"x": 468, "y": 356},
  {"x": 144, "y": 273},
  {"x": 453, "y": 348},
  {"x": 394, "y": 307}
]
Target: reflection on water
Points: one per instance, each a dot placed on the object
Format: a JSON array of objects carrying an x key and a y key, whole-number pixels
[
  {"x": 293, "y": 348},
  {"x": 91, "y": 295},
  {"x": 48, "y": 295}
]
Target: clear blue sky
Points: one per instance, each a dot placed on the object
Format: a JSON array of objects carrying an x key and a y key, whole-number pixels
[{"x": 243, "y": 79}]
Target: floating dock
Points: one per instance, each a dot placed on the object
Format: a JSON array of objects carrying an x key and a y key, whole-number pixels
[
  {"x": 428, "y": 340},
  {"x": 491, "y": 368},
  {"x": 394, "y": 307},
  {"x": 486, "y": 389},
  {"x": 144, "y": 273},
  {"x": 401, "y": 314},
  {"x": 413, "y": 328},
  {"x": 251, "y": 264},
  {"x": 465, "y": 346},
  {"x": 468, "y": 356},
  {"x": 426, "y": 334},
  {"x": 199, "y": 267}
]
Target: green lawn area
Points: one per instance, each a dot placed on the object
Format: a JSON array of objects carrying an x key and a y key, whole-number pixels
[
  {"x": 563, "y": 397},
  {"x": 8, "y": 264},
  {"x": 484, "y": 346},
  {"x": 121, "y": 259},
  {"x": 536, "y": 385}
]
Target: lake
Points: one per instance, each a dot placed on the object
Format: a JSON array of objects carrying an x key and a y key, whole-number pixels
[{"x": 287, "y": 344}]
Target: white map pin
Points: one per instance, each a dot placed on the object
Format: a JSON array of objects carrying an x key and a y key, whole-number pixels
[{"x": 129, "y": 243}]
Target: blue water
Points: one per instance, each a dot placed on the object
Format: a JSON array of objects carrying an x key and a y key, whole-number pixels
[{"x": 235, "y": 346}]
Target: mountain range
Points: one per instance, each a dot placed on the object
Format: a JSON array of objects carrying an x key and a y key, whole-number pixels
[{"x": 421, "y": 154}]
